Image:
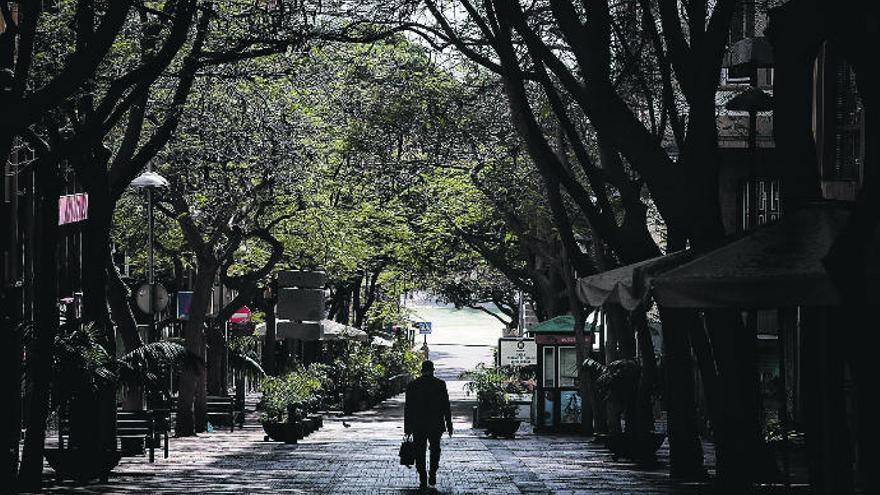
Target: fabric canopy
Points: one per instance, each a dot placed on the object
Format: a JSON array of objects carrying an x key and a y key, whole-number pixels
[
  {"x": 562, "y": 324},
  {"x": 628, "y": 285},
  {"x": 776, "y": 265},
  {"x": 337, "y": 331},
  {"x": 381, "y": 342}
]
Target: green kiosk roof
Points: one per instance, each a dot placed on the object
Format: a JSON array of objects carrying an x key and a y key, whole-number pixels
[{"x": 560, "y": 324}]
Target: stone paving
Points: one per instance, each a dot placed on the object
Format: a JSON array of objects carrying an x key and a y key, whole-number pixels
[{"x": 357, "y": 454}]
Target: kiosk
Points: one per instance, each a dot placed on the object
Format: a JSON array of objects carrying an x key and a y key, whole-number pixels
[{"x": 557, "y": 402}]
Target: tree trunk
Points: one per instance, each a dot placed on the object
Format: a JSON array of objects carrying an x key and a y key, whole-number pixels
[
  {"x": 643, "y": 417},
  {"x": 685, "y": 448},
  {"x": 796, "y": 42},
  {"x": 191, "y": 416},
  {"x": 39, "y": 356},
  {"x": 700, "y": 161},
  {"x": 216, "y": 348},
  {"x": 10, "y": 387},
  {"x": 119, "y": 296},
  {"x": 740, "y": 450},
  {"x": 269, "y": 343},
  {"x": 96, "y": 246},
  {"x": 825, "y": 418}
]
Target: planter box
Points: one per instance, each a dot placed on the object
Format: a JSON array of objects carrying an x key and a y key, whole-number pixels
[
  {"x": 638, "y": 447},
  {"x": 479, "y": 418},
  {"x": 75, "y": 464},
  {"x": 309, "y": 426},
  {"x": 282, "y": 432},
  {"x": 318, "y": 419},
  {"x": 502, "y": 427}
]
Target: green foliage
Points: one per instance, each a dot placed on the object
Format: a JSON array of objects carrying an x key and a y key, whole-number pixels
[
  {"x": 82, "y": 368},
  {"x": 493, "y": 386},
  {"x": 358, "y": 370},
  {"x": 399, "y": 359},
  {"x": 151, "y": 364},
  {"x": 290, "y": 397},
  {"x": 616, "y": 382}
]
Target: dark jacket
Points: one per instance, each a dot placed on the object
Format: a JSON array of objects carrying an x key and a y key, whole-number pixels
[{"x": 427, "y": 406}]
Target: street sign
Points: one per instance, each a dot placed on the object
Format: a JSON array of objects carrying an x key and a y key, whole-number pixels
[
  {"x": 424, "y": 327},
  {"x": 517, "y": 352},
  {"x": 184, "y": 300},
  {"x": 151, "y": 302}
]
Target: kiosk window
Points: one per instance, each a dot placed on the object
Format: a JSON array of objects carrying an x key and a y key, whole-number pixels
[
  {"x": 549, "y": 367},
  {"x": 568, "y": 368}
]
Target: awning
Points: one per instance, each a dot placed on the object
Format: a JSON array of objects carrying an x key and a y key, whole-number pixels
[
  {"x": 562, "y": 324},
  {"x": 380, "y": 342},
  {"x": 337, "y": 331},
  {"x": 628, "y": 285},
  {"x": 776, "y": 265}
]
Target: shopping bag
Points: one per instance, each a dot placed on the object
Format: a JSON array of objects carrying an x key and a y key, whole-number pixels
[{"x": 407, "y": 452}]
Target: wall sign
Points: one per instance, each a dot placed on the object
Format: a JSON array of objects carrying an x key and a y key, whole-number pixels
[
  {"x": 73, "y": 208},
  {"x": 517, "y": 352}
]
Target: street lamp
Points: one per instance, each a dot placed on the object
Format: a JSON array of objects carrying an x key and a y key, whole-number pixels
[
  {"x": 751, "y": 54},
  {"x": 151, "y": 297}
]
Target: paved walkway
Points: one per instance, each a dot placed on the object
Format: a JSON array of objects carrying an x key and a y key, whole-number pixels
[
  {"x": 361, "y": 458},
  {"x": 358, "y": 455}
]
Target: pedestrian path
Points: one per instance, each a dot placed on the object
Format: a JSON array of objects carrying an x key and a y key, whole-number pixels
[{"x": 357, "y": 454}]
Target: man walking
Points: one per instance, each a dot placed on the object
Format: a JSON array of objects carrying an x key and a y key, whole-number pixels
[{"x": 426, "y": 416}]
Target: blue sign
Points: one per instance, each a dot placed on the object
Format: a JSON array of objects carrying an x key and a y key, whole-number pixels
[
  {"x": 184, "y": 299},
  {"x": 424, "y": 327}
]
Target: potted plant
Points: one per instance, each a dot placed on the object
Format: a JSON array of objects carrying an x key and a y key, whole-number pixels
[
  {"x": 621, "y": 383},
  {"x": 84, "y": 379},
  {"x": 493, "y": 388},
  {"x": 287, "y": 401}
]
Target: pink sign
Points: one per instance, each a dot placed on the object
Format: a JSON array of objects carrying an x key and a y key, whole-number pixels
[{"x": 73, "y": 208}]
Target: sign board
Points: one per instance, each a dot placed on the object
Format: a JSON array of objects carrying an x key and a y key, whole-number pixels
[
  {"x": 300, "y": 304},
  {"x": 424, "y": 327},
  {"x": 555, "y": 339},
  {"x": 242, "y": 315},
  {"x": 73, "y": 208},
  {"x": 184, "y": 300},
  {"x": 517, "y": 352},
  {"x": 302, "y": 279}
]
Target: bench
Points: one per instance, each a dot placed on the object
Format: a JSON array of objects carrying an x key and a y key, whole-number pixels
[
  {"x": 151, "y": 426},
  {"x": 223, "y": 407}
]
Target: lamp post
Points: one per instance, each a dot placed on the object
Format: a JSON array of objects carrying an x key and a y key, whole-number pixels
[
  {"x": 751, "y": 53},
  {"x": 150, "y": 180}
]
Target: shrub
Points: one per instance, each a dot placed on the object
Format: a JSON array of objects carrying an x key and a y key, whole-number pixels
[
  {"x": 493, "y": 387},
  {"x": 292, "y": 396}
]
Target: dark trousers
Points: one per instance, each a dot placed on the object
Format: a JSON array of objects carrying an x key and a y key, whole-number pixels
[{"x": 421, "y": 442}]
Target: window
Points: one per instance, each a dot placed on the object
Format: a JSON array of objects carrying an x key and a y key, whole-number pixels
[
  {"x": 848, "y": 152},
  {"x": 742, "y": 25},
  {"x": 549, "y": 367},
  {"x": 568, "y": 367},
  {"x": 768, "y": 204}
]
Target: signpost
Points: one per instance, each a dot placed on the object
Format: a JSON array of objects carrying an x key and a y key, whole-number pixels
[
  {"x": 517, "y": 352},
  {"x": 424, "y": 329}
]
